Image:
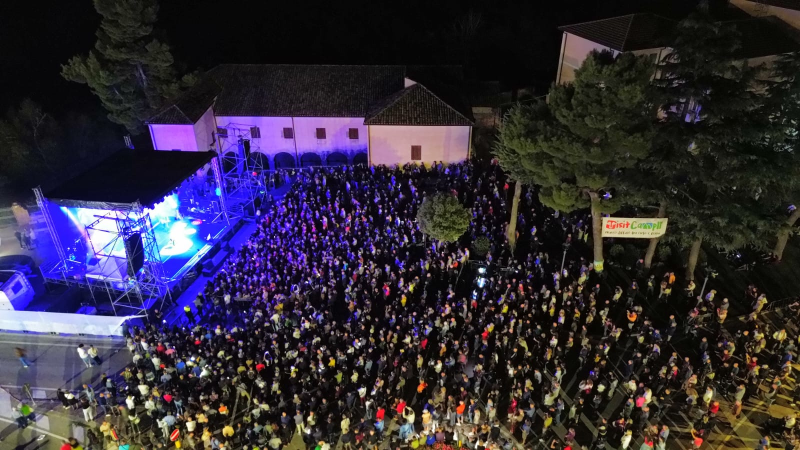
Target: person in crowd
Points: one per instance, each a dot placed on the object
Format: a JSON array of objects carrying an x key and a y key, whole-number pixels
[{"x": 340, "y": 321}]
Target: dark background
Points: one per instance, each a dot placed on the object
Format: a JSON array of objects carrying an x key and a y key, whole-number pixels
[{"x": 516, "y": 43}]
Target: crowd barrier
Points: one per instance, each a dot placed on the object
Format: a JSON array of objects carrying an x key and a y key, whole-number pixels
[{"x": 46, "y": 322}]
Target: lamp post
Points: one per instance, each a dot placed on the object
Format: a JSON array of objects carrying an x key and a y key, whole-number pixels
[
  {"x": 563, "y": 257},
  {"x": 708, "y": 273}
]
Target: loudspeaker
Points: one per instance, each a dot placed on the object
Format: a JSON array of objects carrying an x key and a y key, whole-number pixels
[
  {"x": 135, "y": 253},
  {"x": 208, "y": 268}
]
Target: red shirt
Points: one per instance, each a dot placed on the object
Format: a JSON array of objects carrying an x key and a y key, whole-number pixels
[
  {"x": 401, "y": 407},
  {"x": 380, "y": 413}
]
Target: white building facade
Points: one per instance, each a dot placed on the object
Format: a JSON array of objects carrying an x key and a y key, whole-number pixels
[{"x": 300, "y": 116}]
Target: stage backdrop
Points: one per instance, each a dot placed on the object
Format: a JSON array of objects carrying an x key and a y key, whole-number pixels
[{"x": 46, "y": 322}]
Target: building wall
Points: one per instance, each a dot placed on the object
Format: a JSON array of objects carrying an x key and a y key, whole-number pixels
[
  {"x": 336, "y": 134},
  {"x": 203, "y": 130},
  {"x": 173, "y": 137},
  {"x": 391, "y": 144},
  {"x": 574, "y": 50},
  {"x": 789, "y": 16},
  {"x": 272, "y": 141}
]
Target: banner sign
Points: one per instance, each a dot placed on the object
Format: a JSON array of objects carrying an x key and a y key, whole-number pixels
[{"x": 634, "y": 227}]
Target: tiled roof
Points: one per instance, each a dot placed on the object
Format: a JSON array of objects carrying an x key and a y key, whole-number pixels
[
  {"x": 765, "y": 36},
  {"x": 415, "y": 105},
  {"x": 190, "y": 106},
  {"x": 760, "y": 36},
  {"x": 625, "y": 33},
  {"x": 788, "y": 4},
  {"x": 275, "y": 90}
]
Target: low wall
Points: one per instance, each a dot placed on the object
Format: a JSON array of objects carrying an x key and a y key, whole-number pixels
[{"x": 46, "y": 322}]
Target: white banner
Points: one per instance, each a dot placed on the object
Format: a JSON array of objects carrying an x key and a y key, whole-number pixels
[
  {"x": 45, "y": 322},
  {"x": 634, "y": 227}
]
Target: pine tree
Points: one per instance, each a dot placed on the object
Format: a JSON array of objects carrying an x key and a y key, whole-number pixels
[
  {"x": 782, "y": 187},
  {"x": 129, "y": 69},
  {"x": 577, "y": 147},
  {"x": 709, "y": 139}
]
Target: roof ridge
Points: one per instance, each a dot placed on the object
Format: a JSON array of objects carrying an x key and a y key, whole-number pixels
[
  {"x": 402, "y": 93},
  {"x": 597, "y": 20},
  {"x": 167, "y": 108},
  {"x": 404, "y": 66},
  {"x": 444, "y": 102},
  {"x": 397, "y": 96},
  {"x": 627, "y": 32},
  {"x": 618, "y": 17}
]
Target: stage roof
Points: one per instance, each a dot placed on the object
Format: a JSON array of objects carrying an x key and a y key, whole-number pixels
[{"x": 128, "y": 176}]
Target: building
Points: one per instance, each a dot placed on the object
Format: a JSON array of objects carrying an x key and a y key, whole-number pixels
[
  {"x": 786, "y": 10},
  {"x": 764, "y": 38},
  {"x": 305, "y": 115}
]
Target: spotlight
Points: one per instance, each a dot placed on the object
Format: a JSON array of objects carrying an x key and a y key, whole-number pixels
[{"x": 482, "y": 270}]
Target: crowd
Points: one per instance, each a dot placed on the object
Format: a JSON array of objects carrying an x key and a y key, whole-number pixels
[{"x": 341, "y": 322}]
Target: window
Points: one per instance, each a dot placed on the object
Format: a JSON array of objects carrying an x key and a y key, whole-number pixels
[
  {"x": 416, "y": 153},
  {"x": 288, "y": 133},
  {"x": 320, "y": 133},
  {"x": 255, "y": 133},
  {"x": 222, "y": 132},
  {"x": 352, "y": 133}
]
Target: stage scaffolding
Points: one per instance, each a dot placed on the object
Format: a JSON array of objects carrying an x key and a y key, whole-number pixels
[
  {"x": 110, "y": 276},
  {"x": 242, "y": 166}
]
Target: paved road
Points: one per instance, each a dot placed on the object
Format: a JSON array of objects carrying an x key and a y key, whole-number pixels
[{"x": 55, "y": 364}]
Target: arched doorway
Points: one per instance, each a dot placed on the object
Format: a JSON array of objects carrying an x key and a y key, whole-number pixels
[
  {"x": 258, "y": 162},
  {"x": 360, "y": 158},
  {"x": 228, "y": 162},
  {"x": 337, "y": 159},
  {"x": 310, "y": 159},
  {"x": 284, "y": 160}
]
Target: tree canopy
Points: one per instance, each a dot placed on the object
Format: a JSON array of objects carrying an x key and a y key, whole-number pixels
[
  {"x": 442, "y": 217},
  {"x": 129, "y": 70},
  {"x": 36, "y": 146},
  {"x": 709, "y": 138},
  {"x": 577, "y": 146}
]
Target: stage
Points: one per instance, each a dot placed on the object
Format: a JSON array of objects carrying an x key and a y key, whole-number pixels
[
  {"x": 129, "y": 230},
  {"x": 180, "y": 240}
]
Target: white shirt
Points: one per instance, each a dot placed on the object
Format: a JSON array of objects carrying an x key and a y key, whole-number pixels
[{"x": 82, "y": 352}]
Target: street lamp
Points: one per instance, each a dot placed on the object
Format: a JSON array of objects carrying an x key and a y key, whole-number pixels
[
  {"x": 563, "y": 257},
  {"x": 709, "y": 273}
]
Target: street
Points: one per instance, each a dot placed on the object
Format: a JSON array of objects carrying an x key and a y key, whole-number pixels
[{"x": 55, "y": 365}]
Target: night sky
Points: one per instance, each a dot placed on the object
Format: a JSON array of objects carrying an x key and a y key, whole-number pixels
[{"x": 516, "y": 43}]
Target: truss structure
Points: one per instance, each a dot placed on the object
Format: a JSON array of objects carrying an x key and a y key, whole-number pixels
[
  {"x": 241, "y": 166},
  {"x": 112, "y": 276}
]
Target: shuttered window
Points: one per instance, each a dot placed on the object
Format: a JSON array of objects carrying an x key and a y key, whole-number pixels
[
  {"x": 255, "y": 132},
  {"x": 288, "y": 133},
  {"x": 352, "y": 133},
  {"x": 320, "y": 133},
  {"x": 416, "y": 153}
]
